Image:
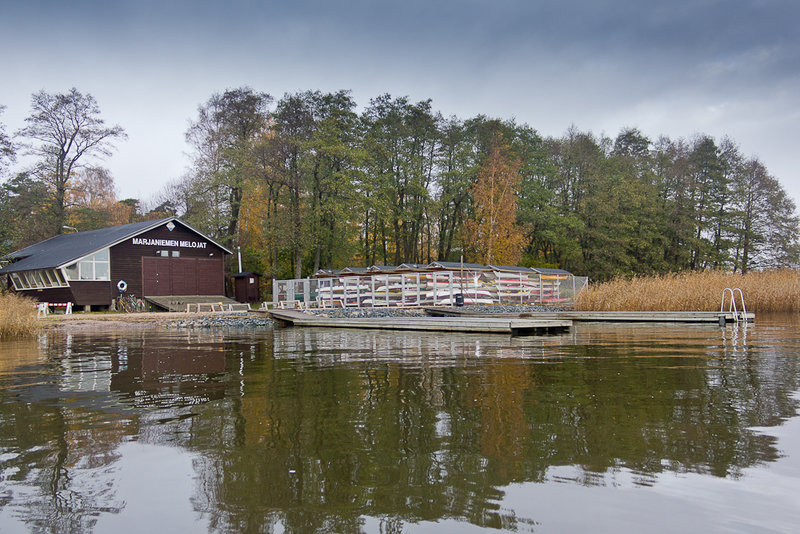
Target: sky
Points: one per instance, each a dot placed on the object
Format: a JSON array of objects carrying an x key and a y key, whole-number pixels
[{"x": 677, "y": 68}]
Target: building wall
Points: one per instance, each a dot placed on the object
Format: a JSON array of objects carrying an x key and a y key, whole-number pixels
[
  {"x": 91, "y": 293},
  {"x": 58, "y": 294},
  {"x": 79, "y": 293},
  {"x": 126, "y": 257}
]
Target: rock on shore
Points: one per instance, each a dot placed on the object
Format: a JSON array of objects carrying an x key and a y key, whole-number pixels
[
  {"x": 227, "y": 321},
  {"x": 243, "y": 320}
]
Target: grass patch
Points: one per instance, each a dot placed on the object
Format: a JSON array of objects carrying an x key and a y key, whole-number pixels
[
  {"x": 17, "y": 316},
  {"x": 766, "y": 291}
]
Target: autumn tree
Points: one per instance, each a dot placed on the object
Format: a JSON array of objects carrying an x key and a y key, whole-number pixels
[
  {"x": 93, "y": 199},
  {"x": 226, "y": 127},
  {"x": 492, "y": 231},
  {"x": 63, "y": 131}
]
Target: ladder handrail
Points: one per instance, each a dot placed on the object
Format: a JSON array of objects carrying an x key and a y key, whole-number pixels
[
  {"x": 741, "y": 296},
  {"x": 732, "y": 305}
]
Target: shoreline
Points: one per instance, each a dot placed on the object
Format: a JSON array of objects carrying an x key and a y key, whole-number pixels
[
  {"x": 144, "y": 320},
  {"x": 100, "y": 321}
]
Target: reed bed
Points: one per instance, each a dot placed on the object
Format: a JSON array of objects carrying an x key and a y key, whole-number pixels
[
  {"x": 17, "y": 316},
  {"x": 765, "y": 291}
]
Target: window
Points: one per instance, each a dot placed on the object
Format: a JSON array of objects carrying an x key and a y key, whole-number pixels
[
  {"x": 94, "y": 267},
  {"x": 86, "y": 268},
  {"x": 176, "y": 253},
  {"x": 18, "y": 284},
  {"x": 53, "y": 277},
  {"x": 71, "y": 272},
  {"x": 101, "y": 271},
  {"x": 42, "y": 279}
]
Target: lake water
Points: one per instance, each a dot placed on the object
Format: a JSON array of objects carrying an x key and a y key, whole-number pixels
[{"x": 609, "y": 428}]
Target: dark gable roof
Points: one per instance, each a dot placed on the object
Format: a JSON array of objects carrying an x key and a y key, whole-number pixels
[
  {"x": 244, "y": 274},
  {"x": 66, "y": 248}
]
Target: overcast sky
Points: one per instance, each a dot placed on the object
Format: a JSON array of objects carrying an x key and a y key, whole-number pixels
[{"x": 676, "y": 67}]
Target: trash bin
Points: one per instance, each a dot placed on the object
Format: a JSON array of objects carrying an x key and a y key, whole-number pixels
[{"x": 459, "y": 299}]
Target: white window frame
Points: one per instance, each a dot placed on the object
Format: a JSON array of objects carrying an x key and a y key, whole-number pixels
[
  {"x": 39, "y": 279},
  {"x": 87, "y": 267}
]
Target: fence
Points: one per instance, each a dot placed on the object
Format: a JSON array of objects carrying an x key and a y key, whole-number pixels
[{"x": 434, "y": 288}]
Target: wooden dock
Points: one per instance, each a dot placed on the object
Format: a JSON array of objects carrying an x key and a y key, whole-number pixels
[
  {"x": 604, "y": 316},
  {"x": 489, "y": 325}
]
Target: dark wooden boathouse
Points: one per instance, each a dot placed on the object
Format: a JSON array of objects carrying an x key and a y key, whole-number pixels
[{"x": 90, "y": 269}]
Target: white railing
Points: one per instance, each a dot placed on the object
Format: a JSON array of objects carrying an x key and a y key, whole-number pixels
[{"x": 429, "y": 288}]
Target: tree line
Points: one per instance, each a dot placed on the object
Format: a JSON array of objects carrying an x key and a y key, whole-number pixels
[{"x": 310, "y": 181}]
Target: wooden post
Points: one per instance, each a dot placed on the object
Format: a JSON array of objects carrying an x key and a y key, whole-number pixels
[
  {"x": 450, "y": 280},
  {"x": 541, "y": 283}
]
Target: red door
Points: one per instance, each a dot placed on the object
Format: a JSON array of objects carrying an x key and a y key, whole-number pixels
[
  {"x": 209, "y": 277},
  {"x": 182, "y": 276},
  {"x": 156, "y": 279},
  {"x": 183, "y": 273}
]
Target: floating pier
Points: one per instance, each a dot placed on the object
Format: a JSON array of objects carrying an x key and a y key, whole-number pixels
[
  {"x": 607, "y": 316},
  {"x": 491, "y": 325}
]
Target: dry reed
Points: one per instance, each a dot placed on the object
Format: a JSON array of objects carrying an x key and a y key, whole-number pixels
[
  {"x": 17, "y": 316},
  {"x": 766, "y": 291}
]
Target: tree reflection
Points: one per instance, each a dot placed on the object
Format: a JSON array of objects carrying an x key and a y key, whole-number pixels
[
  {"x": 327, "y": 430},
  {"x": 340, "y": 426}
]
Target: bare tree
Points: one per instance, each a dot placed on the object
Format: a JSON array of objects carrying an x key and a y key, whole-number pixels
[
  {"x": 63, "y": 129},
  {"x": 6, "y": 147}
]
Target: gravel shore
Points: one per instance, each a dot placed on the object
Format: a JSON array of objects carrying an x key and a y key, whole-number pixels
[{"x": 241, "y": 320}]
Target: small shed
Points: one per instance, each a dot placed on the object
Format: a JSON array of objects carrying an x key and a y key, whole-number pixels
[{"x": 247, "y": 286}]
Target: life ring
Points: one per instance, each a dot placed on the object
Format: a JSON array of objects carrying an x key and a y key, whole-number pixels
[{"x": 122, "y": 285}]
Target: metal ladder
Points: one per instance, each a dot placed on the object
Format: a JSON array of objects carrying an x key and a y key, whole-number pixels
[{"x": 732, "y": 305}]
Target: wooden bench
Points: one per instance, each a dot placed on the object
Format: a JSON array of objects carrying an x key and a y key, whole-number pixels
[{"x": 197, "y": 307}]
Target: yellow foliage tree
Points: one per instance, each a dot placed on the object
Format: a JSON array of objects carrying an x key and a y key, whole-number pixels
[{"x": 492, "y": 232}]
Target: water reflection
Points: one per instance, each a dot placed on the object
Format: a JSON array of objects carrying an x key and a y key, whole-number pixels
[{"x": 337, "y": 430}]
